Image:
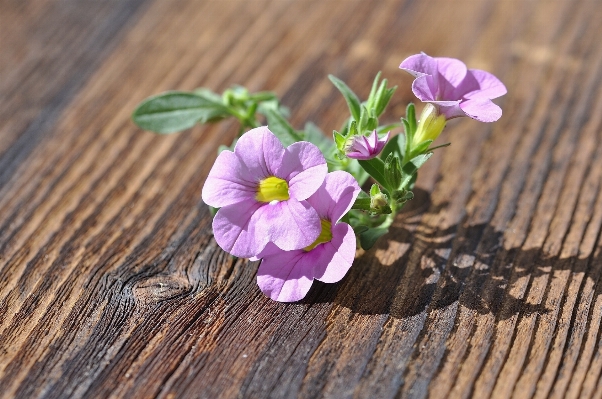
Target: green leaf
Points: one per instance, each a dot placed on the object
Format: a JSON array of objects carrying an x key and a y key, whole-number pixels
[
  {"x": 402, "y": 196},
  {"x": 409, "y": 169},
  {"x": 375, "y": 168},
  {"x": 175, "y": 111},
  {"x": 393, "y": 171},
  {"x": 314, "y": 135},
  {"x": 368, "y": 237},
  {"x": 281, "y": 128},
  {"x": 422, "y": 147},
  {"x": 386, "y": 128},
  {"x": 363, "y": 122},
  {"x": 264, "y": 96},
  {"x": 352, "y": 129},
  {"x": 384, "y": 100},
  {"x": 362, "y": 204},
  {"x": 397, "y": 146},
  {"x": 360, "y": 229},
  {"x": 208, "y": 94},
  {"x": 411, "y": 117},
  {"x": 339, "y": 140},
  {"x": 440, "y": 146},
  {"x": 374, "y": 190},
  {"x": 372, "y": 97},
  {"x": 353, "y": 101}
]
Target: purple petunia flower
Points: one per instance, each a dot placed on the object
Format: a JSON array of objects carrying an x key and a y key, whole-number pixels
[
  {"x": 288, "y": 276},
  {"x": 364, "y": 148},
  {"x": 454, "y": 89},
  {"x": 261, "y": 190}
]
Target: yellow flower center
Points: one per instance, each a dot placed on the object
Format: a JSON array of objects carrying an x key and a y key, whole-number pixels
[
  {"x": 325, "y": 235},
  {"x": 272, "y": 189}
]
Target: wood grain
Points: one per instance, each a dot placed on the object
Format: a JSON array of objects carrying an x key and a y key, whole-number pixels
[{"x": 111, "y": 284}]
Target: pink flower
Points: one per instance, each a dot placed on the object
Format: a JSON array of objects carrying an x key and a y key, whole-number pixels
[
  {"x": 261, "y": 190},
  {"x": 454, "y": 89},
  {"x": 288, "y": 276},
  {"x": 364, "y": 148}
]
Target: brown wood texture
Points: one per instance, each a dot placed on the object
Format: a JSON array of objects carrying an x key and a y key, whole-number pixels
[{"x": 111, "y": 284}]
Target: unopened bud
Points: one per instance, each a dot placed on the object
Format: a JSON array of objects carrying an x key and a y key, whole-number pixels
[{"x": 430, "y": 126}]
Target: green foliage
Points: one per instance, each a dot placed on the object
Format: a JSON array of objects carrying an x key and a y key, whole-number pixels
[
  {"x": 410, "y": 170},
  {"x": 375, "y": 168},
  {"x": 353, "y": 101},
  {"x": 369, "y": 235},
  {"x": 395, "y": 146},
  {"x": 393, "y": 171},
  {"x": 175, "y": 111},
  {"x": 281, "y": 128}
]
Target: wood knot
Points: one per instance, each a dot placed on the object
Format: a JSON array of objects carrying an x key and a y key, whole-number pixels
[{"x": 160, "y": 288}]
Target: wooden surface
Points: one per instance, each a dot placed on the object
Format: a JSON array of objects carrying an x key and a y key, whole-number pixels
[{"x": 111, "y": 284}]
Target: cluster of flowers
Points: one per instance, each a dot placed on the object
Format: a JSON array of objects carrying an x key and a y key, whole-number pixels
[
  {"x": 288, "y": 206},
  {"x": 282, "y": 206}
]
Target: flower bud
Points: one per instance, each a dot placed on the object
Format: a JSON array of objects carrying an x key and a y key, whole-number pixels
[
  {"x": 430, "y": 126},
  {"x": 364, "y": 148},
  {"x": 378, "y": 201}
]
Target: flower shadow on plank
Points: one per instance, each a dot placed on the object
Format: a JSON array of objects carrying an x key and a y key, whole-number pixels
[{"x": 439, "y": 268}]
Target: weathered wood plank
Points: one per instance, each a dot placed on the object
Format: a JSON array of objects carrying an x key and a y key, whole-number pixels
[{"x": 111, "y": 284}]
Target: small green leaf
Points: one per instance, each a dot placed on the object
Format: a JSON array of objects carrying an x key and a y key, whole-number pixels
[
  {"x": 360, "y": 229},
  {"x": 208, "y": 94},
  {"x": 397, "y": 146},
  {"x": 264, "y": 96},
  {"x": 440, "y": 146},
  {"x": 402, "y": 196},
  {"x": 281, "y": 128},
  {"x": 339, "y": 140},
  {"x": 386, "y": 128},
  {"x": 362, "y": 204},
  {"x": 175, "y": 111},
  {"x": 363, "y": 122},
  {"x": 372, "y": 124},
  {"x": 422, "y": 147},
  {"x": 375, "y": 168},
  {"x": 409, "y": 169},
  {"x": 353, "y": 101},
  {"x": 374, "y": 190},
  {"x": 393, "y": 171},
  {"x": 384, "y": 100},
  {"x": 352, "y": 129},
  {"x": 368, "y": 237},
  {"x": 372, "y": 97},
  {"x": 411, "y": 116}
]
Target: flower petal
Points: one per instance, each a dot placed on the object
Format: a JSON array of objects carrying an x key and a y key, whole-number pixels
[
  {"x": 260, "y": 152},
  {"x": 289, "y": 224},
  {"x": 286, "y": 276},
  {"x": 228, "y": 182},
  {"x": 488, "y": 86},
  {"x": 451, "y": 109},
  {"x": 235, "y": 233},
  {"x": 483, "y": 110},
  {"x": 451, "y": 74},
  {"x": 336, "y": 196},
  {"x": 425, "y": 88},
  {"x": 304, "y": 167},
  {"x": 419, "y": 64},
  {"x": 336, "y": 256}
]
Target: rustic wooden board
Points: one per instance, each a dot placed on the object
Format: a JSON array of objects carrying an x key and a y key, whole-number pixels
[{"x": 111, "y": 284}]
